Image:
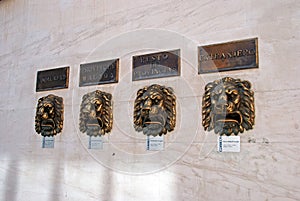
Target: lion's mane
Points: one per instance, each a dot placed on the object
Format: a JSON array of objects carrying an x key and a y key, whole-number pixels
[
  {"x": 246, "y": 106},
  {"x": 105, "y": 116},
  {"x": 57, "y": 103},
  {"x": 169, "y": 106}
]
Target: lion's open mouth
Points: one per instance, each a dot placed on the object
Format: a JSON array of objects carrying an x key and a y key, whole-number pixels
[
  {"x": 48, "y": 124},
  {"x": 94, "y": 124},
  {"x": 153, "y": 124},
  {"x": 154, "y": 121},
  {"x": 235, "y": 117}
]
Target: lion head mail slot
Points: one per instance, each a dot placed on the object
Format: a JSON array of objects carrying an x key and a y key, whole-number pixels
[
  {"x": 49, "y": 115},
  {"x": 96, "y": 117},
  {"x": 228, "y": 106},
  {"x": 155, "y": 110}
]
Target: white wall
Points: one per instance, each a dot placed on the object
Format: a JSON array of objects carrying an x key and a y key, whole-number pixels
[{"x": 37, "y": 35}]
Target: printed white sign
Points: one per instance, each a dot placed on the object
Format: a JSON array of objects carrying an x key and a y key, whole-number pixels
[
  {"x": 48, "y": 142},
  {"x": 229, "y": 143},
  {"x": 155, "y": 143},
  {"x": 95, "y": 142}
]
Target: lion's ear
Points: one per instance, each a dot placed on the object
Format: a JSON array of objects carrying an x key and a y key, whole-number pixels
[
  {"x": 140, "y": 92},
  {"x": 247, "y": 84},
  {"x": 108, "y": 96},
  {"x": 40, "y": 100},
  {"x": 58, "y": 100},
  {"x": 170, "y": 89},
  {"x": 209, "y": 87},
  {"x": 85, "y": 97}
]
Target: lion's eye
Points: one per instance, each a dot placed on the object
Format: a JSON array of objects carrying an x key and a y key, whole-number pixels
[
  {"x": 97, "y": 102},
  {"x": 233, "y": 95}
]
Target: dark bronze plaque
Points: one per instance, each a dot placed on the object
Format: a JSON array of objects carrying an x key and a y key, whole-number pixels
[
  {"x": 228, "y": 56},
  {"x": 52, "y": 79},
  {"x": 97, "y": 73},
  {"x": 156, "y": 65}
]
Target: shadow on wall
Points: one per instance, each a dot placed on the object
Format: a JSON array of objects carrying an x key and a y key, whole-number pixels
[
  {"x": 56, "y": 191},
  {"x": 11, "y": 181}
]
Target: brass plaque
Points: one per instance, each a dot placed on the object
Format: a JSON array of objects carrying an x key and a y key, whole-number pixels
[
  {"x": 234, "y": 55},
  {"x": 52, "y": 79},
  {"x": 103, "y": 72},
  {"x": 156, "y": 65}
]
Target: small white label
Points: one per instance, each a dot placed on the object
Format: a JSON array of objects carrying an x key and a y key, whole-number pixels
[
  {"x": 155, "y": 143},
  {"x": 95, "y": 142},
  {"x": 48, "y": 142},
  {"x": 229, "y": 143}
]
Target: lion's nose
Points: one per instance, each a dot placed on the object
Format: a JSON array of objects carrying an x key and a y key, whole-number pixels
[
  {"x": 221, "y": 103},
  {"x": 148, "y": 103},
  {"x": 147, "y": 106},
  {"x": 145, "y": 110},
  {"x": 154, "y": 110},
  {"x": 45, "y": 116},
  {"x": 220, "y": 107},
  {"x": 223, "y": 99},
  {"x": 93, "y": 113}
]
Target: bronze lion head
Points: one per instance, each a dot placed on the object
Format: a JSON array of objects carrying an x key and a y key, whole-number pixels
[
  {"x": 228, "y": 106},
  {"x": 49, "y": 115},
  {"x": 155, "y": 110},
  {"x": 96, "y": 115}
]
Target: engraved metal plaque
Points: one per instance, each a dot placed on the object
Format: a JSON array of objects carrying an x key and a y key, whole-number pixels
[
  {"x": 156, "y": 65},
  {"x": 52, "y": 79},
  {"x": 97, "y": 73},
  {"x": 242, "y": 54}
]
